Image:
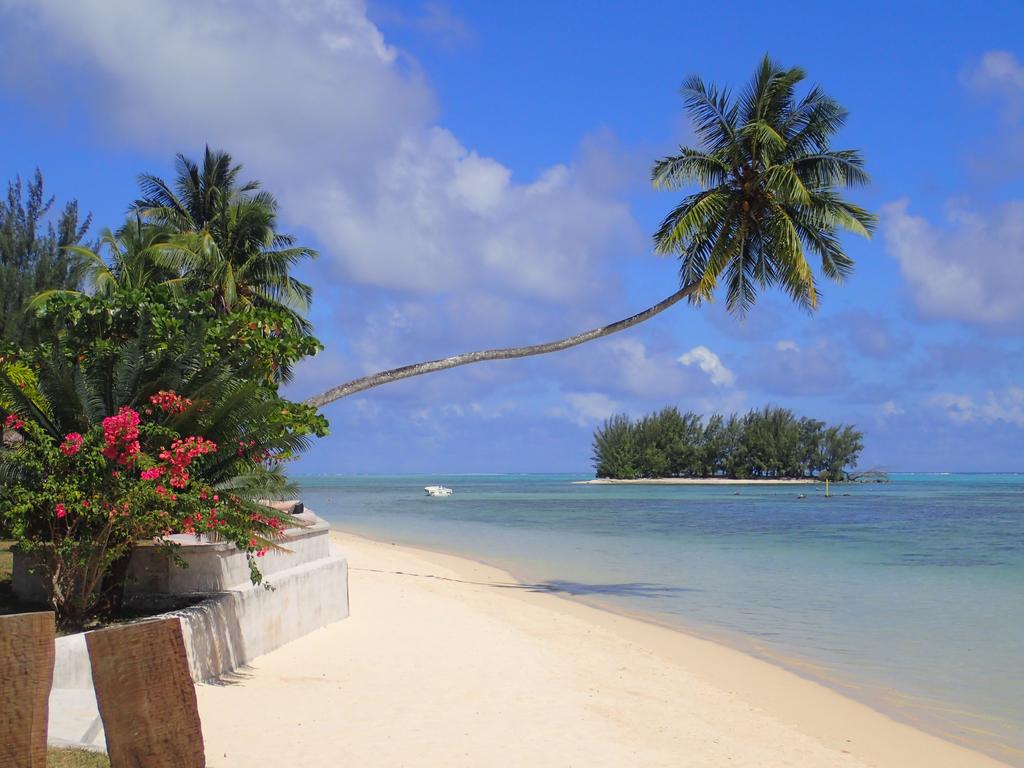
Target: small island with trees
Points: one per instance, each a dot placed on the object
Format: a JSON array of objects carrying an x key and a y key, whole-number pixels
[{"x": 767, "y": 444}]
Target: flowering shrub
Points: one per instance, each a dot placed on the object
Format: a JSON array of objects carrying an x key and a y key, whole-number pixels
[
  {"x": 140, "y": 414},
  {"x": 169, "y": 402},
  {"x": 80, "y": 501},
  {"x": 72, "y": 444},
  {"x": 121, "y": 436}
]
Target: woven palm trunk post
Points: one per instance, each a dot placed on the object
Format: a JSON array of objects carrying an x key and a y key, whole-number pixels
[
  {"x": 26, "y": 674},
  {"x": 145, "y": 695}
]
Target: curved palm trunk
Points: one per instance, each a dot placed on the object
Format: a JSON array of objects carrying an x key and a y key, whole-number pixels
[{"x": 508, "y": 353}]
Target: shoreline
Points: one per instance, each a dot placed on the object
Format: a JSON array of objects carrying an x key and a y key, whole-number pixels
[
  {"x": 738, "y": 643},
  {"x": 448, "y": 661},
  {"x": 700, "y": 481}
]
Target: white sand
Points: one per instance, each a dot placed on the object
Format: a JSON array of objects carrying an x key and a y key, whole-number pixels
[{"x": 446, "y": 668}]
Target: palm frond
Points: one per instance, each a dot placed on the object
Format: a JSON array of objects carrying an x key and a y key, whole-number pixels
[
  {"x": 768, "y": 195},
  {"x": 714, "y": 118},
  {"x": 688, "y": 217},
  {"x": 688, "y": 166}
]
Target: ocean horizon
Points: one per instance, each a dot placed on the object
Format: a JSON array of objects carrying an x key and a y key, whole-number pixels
[{"x": 905, "y": 595}]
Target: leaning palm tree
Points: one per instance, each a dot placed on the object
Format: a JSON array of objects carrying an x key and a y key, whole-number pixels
[
  {"x": 225, "y": 238},
  {"x": 768, "y": 197}
]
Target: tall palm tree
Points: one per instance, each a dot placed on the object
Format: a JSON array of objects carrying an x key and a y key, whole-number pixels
[
  {"x": 225, "y": 239},
  {"x": 769, "y": 196}
]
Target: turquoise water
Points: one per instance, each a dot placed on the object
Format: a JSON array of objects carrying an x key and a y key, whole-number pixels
[{"x": 908, "y": 595}]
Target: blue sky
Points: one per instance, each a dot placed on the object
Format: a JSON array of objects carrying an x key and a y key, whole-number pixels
[{"x": 475, "y": 175}]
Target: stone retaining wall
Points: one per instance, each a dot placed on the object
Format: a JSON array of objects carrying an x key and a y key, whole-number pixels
[{"x": 233, "y": 624}]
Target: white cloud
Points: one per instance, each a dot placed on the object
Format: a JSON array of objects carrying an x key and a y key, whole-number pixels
[
  {"x": 639, "y": 371},
  {"x": 888, "y": 410},
  {"x": 437, "y": 218},
  {"x": 998, "y": 71},
  {"x": 341, "y": 126},
  {"x": 711, "y": 364},
  {"x": 968, "y": 267},
  {"x": 628, "y": 367},
  {"x": 999, "y": 77},
  {"x": 491, "y": 411},
  {"x": 958, "y": 408},
  {"x": 968, "y": 270},
  {"x": 789, "y": 368},
  {"x": 1007, "y": 406},
  {"x": 891, "y": 408},
  {"x": 586, "y": 408}
]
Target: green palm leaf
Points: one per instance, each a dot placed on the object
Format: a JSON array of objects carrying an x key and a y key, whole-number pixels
[{"x": 770, "y": 190}]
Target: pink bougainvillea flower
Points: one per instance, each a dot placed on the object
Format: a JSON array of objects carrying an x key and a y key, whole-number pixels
[
  {"x": 181, "y": 454},
  {"x": 72, "y": 444},
  {"x": 153, "y": 473},
  {"x": 61, "y": 511},
  {"x": 121, "y": 436},
  {"x": 170, "y": 402},
  {"x": 13, "y": 421}
]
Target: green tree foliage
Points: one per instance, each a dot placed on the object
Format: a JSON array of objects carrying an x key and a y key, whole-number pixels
[
  {"x": 258, "y": 343},
  {"x": 122, "y": 260},
  {"x": 616, "y": 449},
  {"x": 191, "y": 301},
  {"x": 189, "y": 373},
  {"x": 224, "y": 236},
  {"x": 766, "y": 443},
  {"x": 33, "y": 238},
  {"x": 78, "y": 500}
]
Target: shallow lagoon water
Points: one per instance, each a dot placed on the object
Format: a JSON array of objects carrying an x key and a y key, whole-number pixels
[{"x": 908, "y": 595}]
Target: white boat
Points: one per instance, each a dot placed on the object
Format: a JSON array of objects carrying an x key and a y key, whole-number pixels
[{"x": 438, "y": 490}]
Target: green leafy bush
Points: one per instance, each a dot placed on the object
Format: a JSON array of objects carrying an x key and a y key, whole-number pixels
[
  {"x": 79, "y": 503},
  {"x": 194, "y": 396},
  {"x": 152, "y": 406},
  {"x": 769, "y": 443}
]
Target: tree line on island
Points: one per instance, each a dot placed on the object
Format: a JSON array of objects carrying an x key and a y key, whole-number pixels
[{"x": 762, "y": 444}]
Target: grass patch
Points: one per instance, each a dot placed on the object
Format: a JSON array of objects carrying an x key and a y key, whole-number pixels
[
  {"x": 6, "y": 560},
  {"x": 75, "y": 758},
  {"x": 7, "y": 602}
]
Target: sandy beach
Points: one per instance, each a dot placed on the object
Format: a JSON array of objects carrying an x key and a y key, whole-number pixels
[
  {"x": 448, "y": 662},
  {"x": 698, "y": 481}
]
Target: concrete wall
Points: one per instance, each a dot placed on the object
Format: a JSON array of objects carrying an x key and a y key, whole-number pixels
[
  {"x": 213, "y": 566},
  {"x": 223, "y": 632}
]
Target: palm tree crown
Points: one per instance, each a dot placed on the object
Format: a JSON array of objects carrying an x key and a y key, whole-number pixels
[
  {"x": 769, "y": 195},
  {"x": 131, "y": 262},
  {"x": 225, "y": 238}
]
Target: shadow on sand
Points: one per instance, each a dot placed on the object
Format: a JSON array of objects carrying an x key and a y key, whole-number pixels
[
  {"x": 628, "y": 589},
  {"x": 575, "y": 588}
]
